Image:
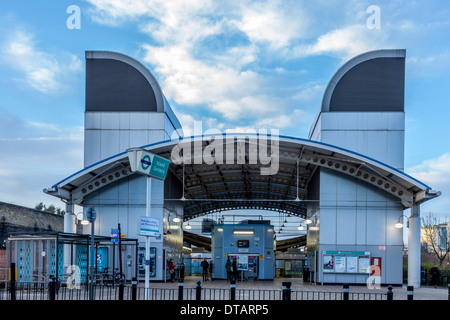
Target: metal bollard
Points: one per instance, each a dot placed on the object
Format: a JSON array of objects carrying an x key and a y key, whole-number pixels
[
  {"x": 346, "y": 291},
  {"x": 12, "y": 281},
  {"x": 233, "y": 290},
  {"x": 180, "y": 289},
  {"x": 52, "y": 288},
  {"x": 390, "y": 293},
  {"x": 449, "y": 291},
  {"x": 134, "y": 283},
  {"x": 121, "y": 288},
  {"x": 286, "y": 290},
  {"x": 410, "y": 292},
  {"x": 198, "y": 291}
]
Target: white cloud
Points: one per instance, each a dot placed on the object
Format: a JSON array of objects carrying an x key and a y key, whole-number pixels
[
  {"x": 224, "y": 87},
  {"x": 41, "y": 71},
  {"x": 296, "y": 118},
  {"x": 309, "y": 92},
  {"x": 187, "y": 122},
  {"x": 166, "y": 21},
  {"x": 435, "y": 173},
  {"x": 274, "y": 22},
  {"x": 345, "y": 42}
]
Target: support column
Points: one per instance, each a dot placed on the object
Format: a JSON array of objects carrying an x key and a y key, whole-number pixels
[
  {"x": 414, "y": 247},
  {"x": 69, "y": 227},
  {"x": 69, "y": 219},
  {"x": 147, "y": 240}
]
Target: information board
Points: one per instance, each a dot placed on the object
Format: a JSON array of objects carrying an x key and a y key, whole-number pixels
[
  {"x": 149, "y": 226},
  {"x": 115, "y": 235},
  {"x": 340, "y": 264},
  {"x": 364, "y": 264},
  {"x": 328, "y": 263},
  {"x": 242, "y": 263},
  {"x": 346, "y": 262},
  {"x": 352, "y": 264}
]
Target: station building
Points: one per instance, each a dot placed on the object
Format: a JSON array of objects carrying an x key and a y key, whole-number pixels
[
  {"x": 346, "y": 178},
  {"x": 250, "y": 243}
]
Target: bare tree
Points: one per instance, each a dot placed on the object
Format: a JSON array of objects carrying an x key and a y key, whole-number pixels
[{"x": 436, "y": 236}]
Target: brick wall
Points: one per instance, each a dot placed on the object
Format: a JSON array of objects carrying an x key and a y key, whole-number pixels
[
  {"x": 14, "y": 218},
  {"x": 3, "y": 262}
]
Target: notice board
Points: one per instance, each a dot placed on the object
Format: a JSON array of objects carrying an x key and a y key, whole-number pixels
[{"x": 346, "y": 262}]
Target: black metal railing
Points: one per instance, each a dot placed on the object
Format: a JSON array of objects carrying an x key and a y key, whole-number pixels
[{"x": 52, "y": 291}]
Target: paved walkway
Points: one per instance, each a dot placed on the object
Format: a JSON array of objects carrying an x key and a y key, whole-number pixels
[{"x": 400, "y": 293}]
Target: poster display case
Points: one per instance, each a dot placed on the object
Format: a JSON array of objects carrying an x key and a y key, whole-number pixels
[{"x": 346, "y": 262}]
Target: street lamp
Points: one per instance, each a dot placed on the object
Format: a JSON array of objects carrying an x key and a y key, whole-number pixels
[
  {"x": 83, "y": 219},
  {"x": 399, "y": 223}
]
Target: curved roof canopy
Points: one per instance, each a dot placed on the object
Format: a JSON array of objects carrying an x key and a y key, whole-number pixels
[{"x": 239, "y": 184}]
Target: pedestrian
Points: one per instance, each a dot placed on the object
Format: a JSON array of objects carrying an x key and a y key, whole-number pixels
[
  {"x": 434, "y": 271},
  {"x": 235, "y": 270},
  {"x": 211, "y": 264},
  {"x": 228, "y": 267},
  {"x": 171, "y": 267},
  {"x": 205, "y": 266}
]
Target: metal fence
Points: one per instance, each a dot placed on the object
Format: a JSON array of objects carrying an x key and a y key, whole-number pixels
[{"x": 50, "y": 291}]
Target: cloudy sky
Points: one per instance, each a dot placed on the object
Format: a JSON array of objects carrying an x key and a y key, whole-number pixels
[{"x": 231, "y": 64}]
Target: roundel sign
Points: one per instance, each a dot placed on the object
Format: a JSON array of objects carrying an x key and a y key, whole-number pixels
[{"x": 146, "y": 162}]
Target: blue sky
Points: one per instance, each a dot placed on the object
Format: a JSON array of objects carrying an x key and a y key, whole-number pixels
[{"x": 230, "y": 64}]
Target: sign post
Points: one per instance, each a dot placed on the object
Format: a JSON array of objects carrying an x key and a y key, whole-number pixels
[
  {"x": 91, "y": 215},
  {"x": 148, "y": 227},
  {"x": 153, "y": 166}
]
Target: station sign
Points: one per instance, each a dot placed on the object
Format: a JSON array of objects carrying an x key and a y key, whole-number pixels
[
  {"x": 115, "y": 235},
  {"x": 91, "y": 215},
  {"x": 149, "y": 226},
  {"x": 148, "y": 163}
]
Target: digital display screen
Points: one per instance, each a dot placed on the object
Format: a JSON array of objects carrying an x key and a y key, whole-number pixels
[{"x": 243, "y": 243}]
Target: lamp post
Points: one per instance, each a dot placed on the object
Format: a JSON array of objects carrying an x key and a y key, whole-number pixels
[
  {"x": 399, "y": 223},
  {"x": 91, "y": 215}
]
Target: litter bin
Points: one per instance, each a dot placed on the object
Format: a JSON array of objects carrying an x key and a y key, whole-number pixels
[
  {"x": 305, "y": 274},
  {"x": 180, "y": 270}
]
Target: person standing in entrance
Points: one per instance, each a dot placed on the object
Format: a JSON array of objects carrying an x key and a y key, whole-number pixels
[
  {"x": 235, "y": 270},
  {"x": 171, "y": 268},
  {"x": 228, "y": 268},
  {"x": 205, "y": 266}
]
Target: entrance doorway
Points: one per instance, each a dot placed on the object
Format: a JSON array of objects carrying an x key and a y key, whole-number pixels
[{"x": 247, "y": 266}]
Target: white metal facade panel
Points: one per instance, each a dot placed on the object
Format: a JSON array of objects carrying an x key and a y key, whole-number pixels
[
  {"x": 109, "y": 133},
  {"x": 379, "y": 135}
]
